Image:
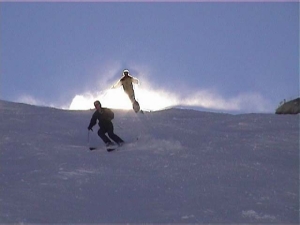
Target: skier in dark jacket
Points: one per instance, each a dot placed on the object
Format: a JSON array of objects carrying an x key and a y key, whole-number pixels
[{"x": 104, "y": 116}]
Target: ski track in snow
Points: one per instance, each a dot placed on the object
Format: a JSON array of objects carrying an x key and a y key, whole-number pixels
[{"x": 178, "y": 166}]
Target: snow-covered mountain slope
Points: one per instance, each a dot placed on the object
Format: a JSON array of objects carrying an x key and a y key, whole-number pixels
[{"x": 186, "y": 167}]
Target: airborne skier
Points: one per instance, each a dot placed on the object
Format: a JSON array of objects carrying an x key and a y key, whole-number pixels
[{"x": 126, "y": 81}]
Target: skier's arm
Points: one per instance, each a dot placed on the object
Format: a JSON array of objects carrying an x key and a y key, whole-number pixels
[
  {"x": 116, "y": 85},
  {"x": 93, "y": 121},
  {"x": 134, "y": 80}
]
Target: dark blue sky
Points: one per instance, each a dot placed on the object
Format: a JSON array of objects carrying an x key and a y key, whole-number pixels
[{"x": 230, "y": 52}]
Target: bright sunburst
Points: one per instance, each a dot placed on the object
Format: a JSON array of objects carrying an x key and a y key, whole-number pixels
[{"x": 117, "y": 99}]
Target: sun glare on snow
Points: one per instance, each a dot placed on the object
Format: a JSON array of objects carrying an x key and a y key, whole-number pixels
[{"x": 117, "y": 99}]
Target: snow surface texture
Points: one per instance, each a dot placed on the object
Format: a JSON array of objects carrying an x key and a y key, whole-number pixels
[{"x": 186, "y": 167}]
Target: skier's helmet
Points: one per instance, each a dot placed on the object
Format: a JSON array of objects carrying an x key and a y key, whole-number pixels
[{"x": 126, "y": 72}]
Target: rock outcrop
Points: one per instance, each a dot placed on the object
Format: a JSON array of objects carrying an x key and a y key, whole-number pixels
[{"x": 290, "y": 107}]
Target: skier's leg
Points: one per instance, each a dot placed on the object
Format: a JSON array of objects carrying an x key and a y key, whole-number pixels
[
  {"x": 113, "y": 136},
  {"x": 131, "y": 95},
  {"x": 101, "y": 133},
  {"x": 116, "y": 138},
  {"x": 135, "y": 104},
  {"x": 132, "y": 99}
]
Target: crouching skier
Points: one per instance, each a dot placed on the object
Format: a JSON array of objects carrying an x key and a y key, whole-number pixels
[
  {"x": 104, "y": 116},
  {"x": 126, "y": 81}
]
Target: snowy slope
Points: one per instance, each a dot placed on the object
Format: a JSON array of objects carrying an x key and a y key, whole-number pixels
[{"x": 186, "y": 167}]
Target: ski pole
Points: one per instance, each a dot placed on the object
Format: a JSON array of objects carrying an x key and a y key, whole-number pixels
[
  {"x": 119, "y": 126},
  {"x": 105, "y": 93}
]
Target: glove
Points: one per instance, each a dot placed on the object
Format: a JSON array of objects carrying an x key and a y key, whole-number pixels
[{"x": 89, "y": 128}]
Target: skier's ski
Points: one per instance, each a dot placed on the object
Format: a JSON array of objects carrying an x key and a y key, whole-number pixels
[
  {"x": 136, "y": 106},
  {"x": 115, "y": 146},
  {"x": 109, "y": 149}
]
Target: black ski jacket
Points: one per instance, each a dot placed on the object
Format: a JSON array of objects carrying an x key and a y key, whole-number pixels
[{"x": 104, "y": 117}]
